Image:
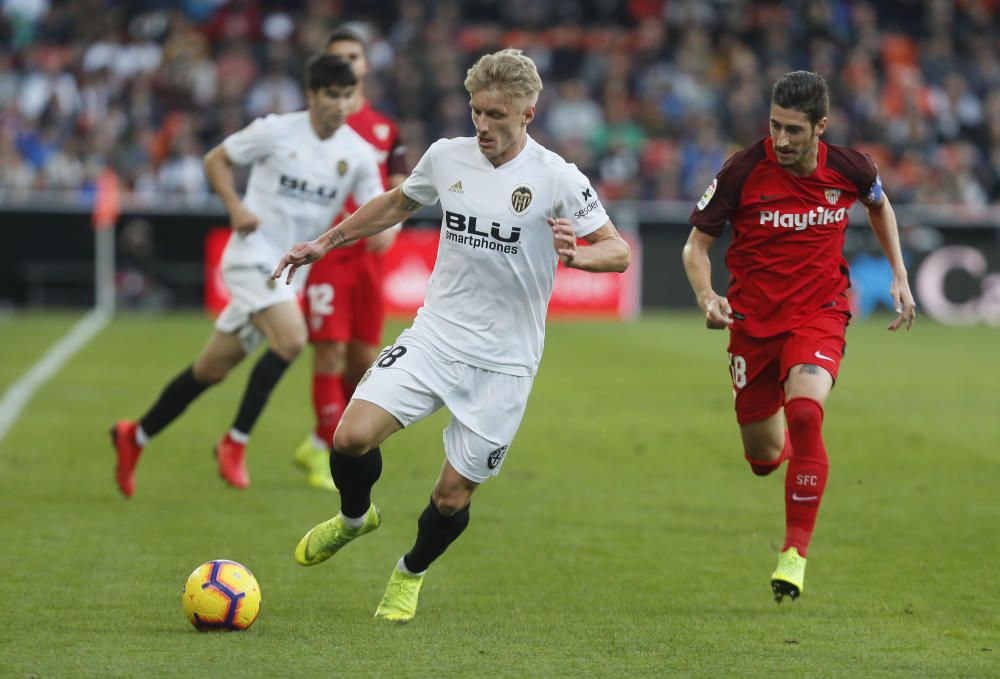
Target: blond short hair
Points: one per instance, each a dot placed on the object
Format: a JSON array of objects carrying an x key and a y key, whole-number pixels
[{"x": 510, "y": 71}]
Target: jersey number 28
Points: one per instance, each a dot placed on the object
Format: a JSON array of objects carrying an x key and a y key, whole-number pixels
[{"x": 390, "y": 355}]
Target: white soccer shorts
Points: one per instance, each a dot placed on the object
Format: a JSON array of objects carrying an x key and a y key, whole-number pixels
[
  {"x": 411, "y": 380},
  {"x": 251, "y": 290}
]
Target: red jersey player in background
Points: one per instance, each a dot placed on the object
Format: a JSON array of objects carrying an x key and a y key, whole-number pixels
[
  {"x": 343, "y": 294},
  {"x": 786, "y": 198}
]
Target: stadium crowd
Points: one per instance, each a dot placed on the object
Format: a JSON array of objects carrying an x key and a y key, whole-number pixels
[{"x": 647, "y": 96}]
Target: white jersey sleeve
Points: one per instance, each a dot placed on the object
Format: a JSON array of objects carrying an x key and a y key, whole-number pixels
[
  {"x": 577, "y": 201},
  {"x": 254, "y": 142},
  {"x": 420, "y": 184}
]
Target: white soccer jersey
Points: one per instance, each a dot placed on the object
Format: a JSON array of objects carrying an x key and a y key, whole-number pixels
[
  {"x": 298, "y": 183},
  {"x": 491, "y": 284}
]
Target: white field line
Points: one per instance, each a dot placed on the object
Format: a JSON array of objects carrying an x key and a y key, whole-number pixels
[{"x": 19, "y": 394}]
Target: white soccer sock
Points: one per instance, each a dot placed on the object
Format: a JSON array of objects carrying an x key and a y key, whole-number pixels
[
  {"x": 351, "y": 522},
  {"x": 318, "y": 443},
  {"x": 401, "y": 567},
  {"x": 140, "y": 436},
  {"x": 238, "y": 436}
]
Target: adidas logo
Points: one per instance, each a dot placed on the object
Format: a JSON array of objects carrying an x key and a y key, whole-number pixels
[{"x": 456, "y": 187}]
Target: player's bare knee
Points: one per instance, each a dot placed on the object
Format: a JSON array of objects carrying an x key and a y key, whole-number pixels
[
  {"x": 763, "y": 452},
  {"x": 289, "y": 346},
  {"x": 323, "y": 365},
  {"x": 450, "y": 503},
  {"x": 209, "y": 374},
  {"x": 353, "y": 440},
  {"x": 328, "y": 359}
]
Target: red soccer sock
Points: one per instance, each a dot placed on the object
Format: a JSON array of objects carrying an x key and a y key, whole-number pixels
[
  {"x": 328, "y": 404},
  {"x": 807, "y": 471},
  {"x": 765, "y": 467}
]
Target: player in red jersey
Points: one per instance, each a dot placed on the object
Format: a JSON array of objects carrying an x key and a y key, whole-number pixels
[
  {"x": 786, "y": 198},
  {"x": 343, "y": 294}
]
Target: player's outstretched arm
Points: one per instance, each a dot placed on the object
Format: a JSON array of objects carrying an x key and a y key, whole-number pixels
[
  {"x": 698, "y": 267},
  {"x": 381, "y": 212},
  {"x": 382, "y": 241},
  {"x": 607, "y": 250},
  {"x": 883, "y": 221}
]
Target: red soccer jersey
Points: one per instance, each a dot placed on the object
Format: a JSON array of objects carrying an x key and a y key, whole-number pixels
[
  {"x": 381, "y": 132},
  {"x": 786, "y": 260}
]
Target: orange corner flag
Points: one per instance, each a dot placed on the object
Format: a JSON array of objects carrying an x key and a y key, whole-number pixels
[{"x": 107, "y": 203}]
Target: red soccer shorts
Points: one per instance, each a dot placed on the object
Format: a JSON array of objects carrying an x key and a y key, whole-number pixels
[
  {"x": 758, "y": 366},
  {"x": 343, "y": 299}
]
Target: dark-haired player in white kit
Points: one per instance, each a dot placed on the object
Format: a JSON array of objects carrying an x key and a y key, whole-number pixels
[
  {"x": 343, "y": 293},
  {"x": 303, "y": 167},
  {"x": 512, "y": 210}
]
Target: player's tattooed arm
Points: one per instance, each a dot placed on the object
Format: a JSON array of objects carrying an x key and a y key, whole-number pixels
[
  {"x": 809, "y": 369},
  {"x": 378, "y": 214},
  {"x": 381, "y": 212},
  {"x": 335, "y": 239},
  {"x": 406, "y": 204}
]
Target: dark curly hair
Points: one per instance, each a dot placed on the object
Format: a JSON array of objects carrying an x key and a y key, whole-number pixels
[
  {"x": 803, "y": 91},
  {"x": 324, "y": 70}
]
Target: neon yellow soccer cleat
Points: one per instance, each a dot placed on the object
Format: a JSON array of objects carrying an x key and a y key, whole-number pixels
[
  {"x": 326, "y": 539},
  {"x": 788, "y": 579},
  {"x": 316, "y": 462},
  {"x": 399, "y": 603}
]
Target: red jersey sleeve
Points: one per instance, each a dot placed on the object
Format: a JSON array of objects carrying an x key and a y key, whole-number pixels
[
  {"x": 396, "y": 161},
  {"x": 722, "y": 197},
  {"x": 859, "y": 169}
]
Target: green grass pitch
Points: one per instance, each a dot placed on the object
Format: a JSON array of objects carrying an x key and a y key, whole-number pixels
[{"x": 625, "y": 537}]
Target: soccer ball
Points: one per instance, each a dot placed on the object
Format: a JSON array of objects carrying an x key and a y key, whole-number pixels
[{"x": 221, "y": 595}]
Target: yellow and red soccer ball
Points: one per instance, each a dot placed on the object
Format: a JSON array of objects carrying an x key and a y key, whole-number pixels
[{"x": 221, "y": 595}]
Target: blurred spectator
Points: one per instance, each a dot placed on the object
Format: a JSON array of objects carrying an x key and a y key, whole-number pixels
[
  {"x": 181, "y": 171},
  {"x": 274, "y": 92},
  {"x": 138, "y": 283},
  {"x": 23, "y": 15},
  {"x": 188, "y": 75},
  {"x": 47, "y": 85},
  {"x": 18, "y": 176},
  {"x": 620, "y": 128},
  {"x": 63, "y": 169},
  {"x": 10, "y": 81},
  {"x": 648, "y": 95},
  {"x": 958, "y": 111},
  {"x": 235, "y": 20},
  {"x": 236, "y": 70},
  {"x": 573, "y": 114},
  {"x": 702, "y": 154}
]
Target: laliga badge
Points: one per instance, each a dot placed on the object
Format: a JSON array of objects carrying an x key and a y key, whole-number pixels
[{"x": 707, "y": 196}]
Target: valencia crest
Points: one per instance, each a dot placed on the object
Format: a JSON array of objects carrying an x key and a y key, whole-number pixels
[{"x": 520, "y": 199}]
